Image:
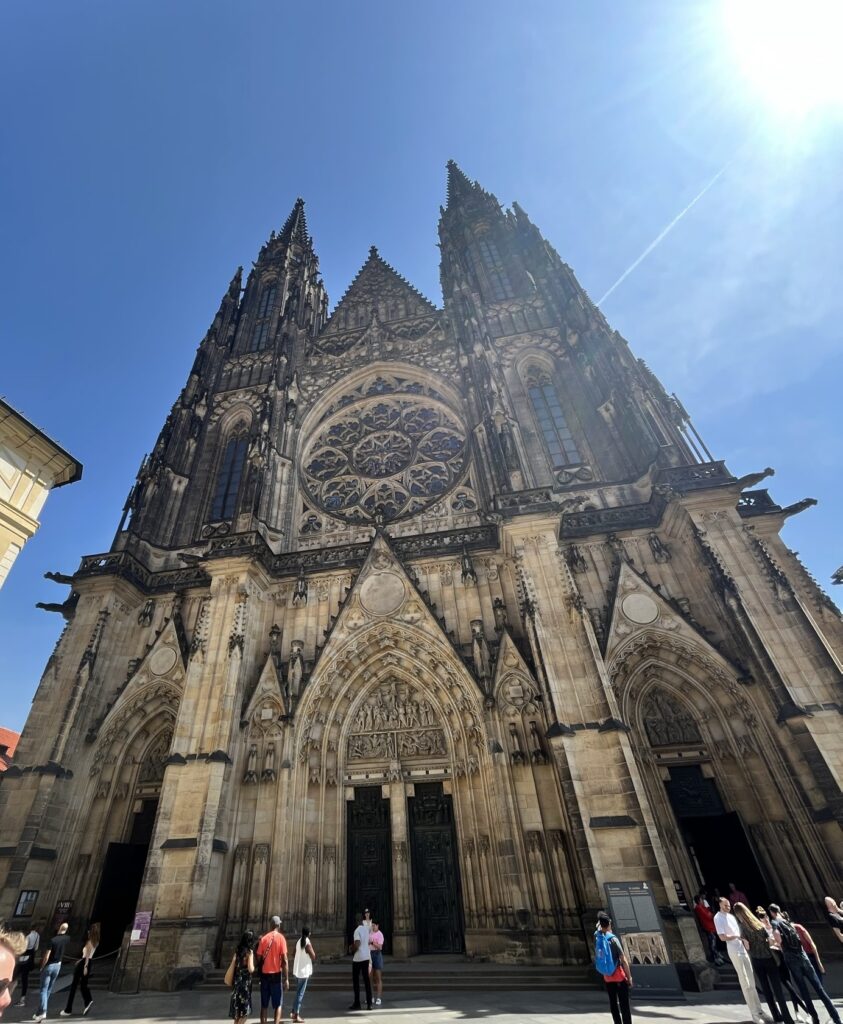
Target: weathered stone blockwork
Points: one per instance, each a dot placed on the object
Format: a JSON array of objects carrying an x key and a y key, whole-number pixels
[{"x": 447, "y": 611}]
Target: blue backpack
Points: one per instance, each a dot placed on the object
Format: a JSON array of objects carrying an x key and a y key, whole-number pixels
[{"x": 604, "y": 952}]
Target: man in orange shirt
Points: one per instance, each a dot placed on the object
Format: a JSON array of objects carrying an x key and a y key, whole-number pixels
[{"x": 272, "y": 956}]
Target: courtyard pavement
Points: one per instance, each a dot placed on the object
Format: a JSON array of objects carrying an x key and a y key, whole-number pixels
[{"x": 544, "y": 1007}]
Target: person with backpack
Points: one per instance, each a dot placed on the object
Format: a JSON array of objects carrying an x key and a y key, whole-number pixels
[
  {"x": 801, "y": 970},
  {"x": 610, "y": 961},
  {"x": 764, "y": 964},
  {"x": 729, "y": 931}
]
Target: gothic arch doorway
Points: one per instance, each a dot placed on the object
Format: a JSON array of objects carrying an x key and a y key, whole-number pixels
[
  {"x": 135, "y": 791},
  {"x": 684, "y": 741}
]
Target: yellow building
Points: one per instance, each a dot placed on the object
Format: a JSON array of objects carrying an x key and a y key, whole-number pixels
[{"x": 31, "y": 465}]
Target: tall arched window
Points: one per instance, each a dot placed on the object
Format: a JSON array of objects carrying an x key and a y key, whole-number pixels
[
  {"x": 260, "y": 333},
  {"x": 230, "y": 473},
  {"x": 557, "y": 437},
  {"x": 488, "y": 265}
]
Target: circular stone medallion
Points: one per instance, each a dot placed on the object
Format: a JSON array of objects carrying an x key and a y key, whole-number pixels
[
  {"x": 162, "y": 661},
  {"x": 382, "y": 593},
  {"x": 640, "y": 608}
]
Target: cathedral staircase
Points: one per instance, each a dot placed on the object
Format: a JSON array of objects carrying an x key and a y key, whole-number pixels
[{"x": 448, "y": 974}]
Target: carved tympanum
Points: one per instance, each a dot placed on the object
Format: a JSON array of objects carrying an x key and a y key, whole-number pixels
[
  {"x": 667, "y": 722},
  {"x": 395, "y": 722}
]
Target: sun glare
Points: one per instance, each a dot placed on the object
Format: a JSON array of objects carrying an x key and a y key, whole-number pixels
[{"x": 789, "y": 50}]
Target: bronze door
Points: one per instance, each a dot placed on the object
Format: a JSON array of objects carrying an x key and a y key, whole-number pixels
[
  {"x": 369, "y": 861},
  {"x": 436, "y": 878}
]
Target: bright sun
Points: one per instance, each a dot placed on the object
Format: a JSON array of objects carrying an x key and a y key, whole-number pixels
[{"x": 791, "y": 51}]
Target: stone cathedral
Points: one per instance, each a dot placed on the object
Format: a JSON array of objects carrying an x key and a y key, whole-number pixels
[{"x": 444, "y": 611}]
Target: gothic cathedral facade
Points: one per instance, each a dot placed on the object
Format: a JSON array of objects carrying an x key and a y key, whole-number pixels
[{"x": 447, "y": 612}]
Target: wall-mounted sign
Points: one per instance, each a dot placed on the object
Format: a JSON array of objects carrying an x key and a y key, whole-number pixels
[{"x": 140, "y": 928}]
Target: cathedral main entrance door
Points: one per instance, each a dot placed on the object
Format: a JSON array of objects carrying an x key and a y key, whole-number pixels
[
  {"x": 369, "y": 860},
  {"x": 436, "y": 882}
]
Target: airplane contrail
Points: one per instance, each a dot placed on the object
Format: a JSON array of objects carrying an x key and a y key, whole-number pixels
[{"x": 665, "y": 231}]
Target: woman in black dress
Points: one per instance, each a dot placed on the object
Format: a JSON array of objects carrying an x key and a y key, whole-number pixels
[{"x": 244, "y": 968}]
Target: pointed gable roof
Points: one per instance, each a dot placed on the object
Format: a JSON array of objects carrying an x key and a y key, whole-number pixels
[
  {"x": 640, "y": 609},
  {"x": 378, "y": 287},
  {"x": 384, "y": 591}
]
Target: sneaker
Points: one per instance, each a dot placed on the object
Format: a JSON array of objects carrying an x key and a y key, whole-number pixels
[
  {"x": 378, "y": 1001},
  {"x": 21, "y": 1002},
  {"x": 65, "y": 1013},
  {"x": 39, "y": 1016},
  {"x": 87, "y": 1007}
]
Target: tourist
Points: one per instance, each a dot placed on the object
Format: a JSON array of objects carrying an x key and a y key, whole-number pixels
[
  {"x": 12, "y": 945},
  {"x": 809, "y": 946},
  {"x": 361, "y": 962},
  {"x": 799, "y": 965},
  {"x": 376, "y": 941},
  {"x": 764, "y": 964},
  {"x": 736, "y": 896},
  {"x": 82, "y": 972},
  {"x": 834, "y": 913},
  {"x": 610, "y": 961},
  {"x": 303, "y": 963},
  {"x": 800, "y": 1010},
  {"x": 50, "y": 968},
  {"x": 242, "y": 968},
  {"x": 26, "y": 961},
  {"x": 272, "y": 957},
  {"x": 729, "y": 932},
  {"x": 705, "y": 920}
]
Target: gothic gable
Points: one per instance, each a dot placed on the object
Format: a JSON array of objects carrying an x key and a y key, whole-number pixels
[{"x": 641, "y": 616}]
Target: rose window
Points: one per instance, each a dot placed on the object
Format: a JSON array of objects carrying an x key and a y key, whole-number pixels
[{"x": 384, "y": 457}]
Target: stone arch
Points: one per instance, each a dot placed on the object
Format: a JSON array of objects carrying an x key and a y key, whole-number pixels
[{"x": 736, "y": 748}]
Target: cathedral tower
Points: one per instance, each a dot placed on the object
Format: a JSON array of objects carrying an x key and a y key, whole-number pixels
[{"x": 444, "y": 611}]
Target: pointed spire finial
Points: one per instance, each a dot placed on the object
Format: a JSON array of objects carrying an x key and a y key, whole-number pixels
[
  {"x": 459, "y": 184},
  {"x": 236, "y": 283},
  {"x": 373, "y": 252},
  {"x": 295, "y": 226}
]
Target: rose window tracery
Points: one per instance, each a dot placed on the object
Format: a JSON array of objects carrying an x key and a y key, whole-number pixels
[{"x": 384, "y": 455}]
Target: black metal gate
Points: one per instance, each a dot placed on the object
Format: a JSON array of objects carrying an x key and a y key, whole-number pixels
[{"x": 436, "y": 878}]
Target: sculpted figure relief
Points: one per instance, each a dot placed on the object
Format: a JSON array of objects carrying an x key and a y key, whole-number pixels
[{"x": 395, "y": 720}]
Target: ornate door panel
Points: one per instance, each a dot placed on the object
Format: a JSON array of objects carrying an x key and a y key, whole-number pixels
[
  {"x": 369, "y": 860},
  {"x": 436, "y": 881}
]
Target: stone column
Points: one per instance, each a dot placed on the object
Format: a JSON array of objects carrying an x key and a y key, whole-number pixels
[{"x": 404, "y": 936}]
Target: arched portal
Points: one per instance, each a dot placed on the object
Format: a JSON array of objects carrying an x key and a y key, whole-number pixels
[
  {"x": 391, "y": 740},
  {"x": 717, "y": 780}
]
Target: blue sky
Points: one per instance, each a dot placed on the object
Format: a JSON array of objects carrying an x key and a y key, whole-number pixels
[{"x": 150, "y": 147}]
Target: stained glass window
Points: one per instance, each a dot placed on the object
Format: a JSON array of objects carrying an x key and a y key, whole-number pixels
[
  {"x": 260, "y": 333},
  {"x": 230, "y": 473},
  {"x": 557, "y": 437}
]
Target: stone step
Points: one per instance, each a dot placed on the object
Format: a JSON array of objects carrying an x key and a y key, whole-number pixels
[{"x": 462, "y": 977}]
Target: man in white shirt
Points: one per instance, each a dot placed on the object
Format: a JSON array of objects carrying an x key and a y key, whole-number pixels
[
  {"x": 360, "y": 962},
  {"x": 728, "y": 931}
]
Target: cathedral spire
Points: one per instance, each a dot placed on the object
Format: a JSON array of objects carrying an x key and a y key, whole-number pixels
[
  {"x": 295, "y": 227},
  {"x": 459, "y": 184}
]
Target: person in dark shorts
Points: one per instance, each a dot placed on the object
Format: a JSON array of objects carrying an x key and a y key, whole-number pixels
[
  {"x": 376, "y": 941},
  {"x": 272, "y": 955}
]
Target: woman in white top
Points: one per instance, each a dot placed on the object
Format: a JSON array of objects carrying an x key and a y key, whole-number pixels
[
  {"x": 81, "y": 973},
  {"x": 728, "y": 931},
  {"x": 302, "y": 970}
]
